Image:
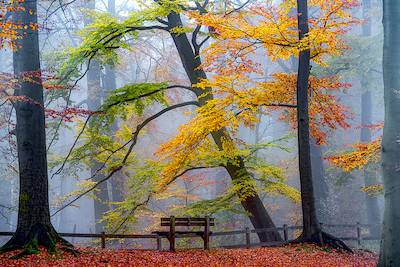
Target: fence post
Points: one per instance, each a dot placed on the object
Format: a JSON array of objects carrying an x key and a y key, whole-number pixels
[
  {"x": 103, "y": 240},
  {"x": 207, "y": 233},
  {"x": 359, "y": 236},
  {"x": 285, "y": 232},
  {"x": 247, "y": 236}
]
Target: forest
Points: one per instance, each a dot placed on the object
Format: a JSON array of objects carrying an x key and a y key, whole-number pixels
[{"x": 257, "y": 114}]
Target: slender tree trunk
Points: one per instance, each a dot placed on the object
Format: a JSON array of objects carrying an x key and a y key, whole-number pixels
[
  {"x": 191, "y": 62},
  {"x": 34, "y": 226},
  {"x": 370, "y": 176},
  {"x": 390, "y": 150},
  {"x": 311, "y": 226}
]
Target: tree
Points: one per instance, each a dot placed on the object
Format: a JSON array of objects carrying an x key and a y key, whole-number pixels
[
  {"x": 189, "y": 54},
  {"x": 311, "y": 227},
  {"x": 390, "y": 149},
  {"x": 311, "y": 43},
  {"x": 209, "y": 139},
  {"x": 370, "y": 177},
  {"x": 34, "y": 226}
]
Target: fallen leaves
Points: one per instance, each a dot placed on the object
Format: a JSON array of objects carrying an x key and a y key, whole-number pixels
[{"x": 293, "y": 255}]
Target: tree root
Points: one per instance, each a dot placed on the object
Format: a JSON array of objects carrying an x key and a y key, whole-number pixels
[
  {"x": 335, "y": 242},
  {"x": 323, "y": 238},
  {"x": 39, "y": 235}
]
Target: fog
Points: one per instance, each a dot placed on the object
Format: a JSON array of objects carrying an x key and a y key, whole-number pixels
[{"x": 153, "y": 58}]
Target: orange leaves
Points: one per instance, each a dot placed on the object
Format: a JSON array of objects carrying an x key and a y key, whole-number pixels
[
  {"x": 8, "y": 33},
  {"x": 293, "y": 255},
  {"x": 361, "y": 153}
]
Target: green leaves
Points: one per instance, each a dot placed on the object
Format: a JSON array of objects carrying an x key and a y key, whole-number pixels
[{"x": 141, "y": 95}]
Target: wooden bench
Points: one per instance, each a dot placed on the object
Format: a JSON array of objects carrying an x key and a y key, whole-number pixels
[{"x": 172, "y": 222}]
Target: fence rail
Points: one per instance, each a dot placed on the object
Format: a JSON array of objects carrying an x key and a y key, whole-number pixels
[{"x": 247, "y": 231}]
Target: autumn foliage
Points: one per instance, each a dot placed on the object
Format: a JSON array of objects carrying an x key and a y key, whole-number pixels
[
  {"x": 239, "y": 91},
  {"x": 298, "y": 255}
]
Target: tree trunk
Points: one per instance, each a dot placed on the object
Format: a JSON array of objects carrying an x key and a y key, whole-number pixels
[
  {"x": 321, "y": 188},
  {"x": 34, "y": 226},
  {"x": 311, "y": 226},
  {"x": 370, "y": 177},
  {"x": 390, "y": 150},
  {"x": 94, "y": 97},
  {"x": 191, "y": 62},
  {"x": 94, "y": 102}
]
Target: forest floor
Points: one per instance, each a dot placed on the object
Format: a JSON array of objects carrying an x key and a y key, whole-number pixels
[{"x": 292, "y": 255}]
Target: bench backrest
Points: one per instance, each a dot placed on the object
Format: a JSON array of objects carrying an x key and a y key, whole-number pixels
[{"x": 186, "y": 221}]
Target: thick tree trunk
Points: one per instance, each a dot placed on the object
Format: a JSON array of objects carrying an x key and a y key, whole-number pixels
[
  {"x": 370, "y": 176},
  {"x": 191, "y": 62},
  {"x": 34, "y": 227},
  {"x": 390, "y": 151}
]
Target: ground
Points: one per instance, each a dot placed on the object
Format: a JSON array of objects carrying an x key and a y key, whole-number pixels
[{"x": 294, "y": 255}]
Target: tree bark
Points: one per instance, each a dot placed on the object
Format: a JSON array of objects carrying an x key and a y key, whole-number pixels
[
  {"x": 370, "y": 177},
  {"x": 34, "y": 226},
  {"x": 191, "y": 63},
  {"x": 390, "y": 149},
  {"x": 321, "y": 188}
]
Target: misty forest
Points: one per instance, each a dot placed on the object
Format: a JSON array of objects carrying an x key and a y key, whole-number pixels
[{"x": 266, "y": 131}]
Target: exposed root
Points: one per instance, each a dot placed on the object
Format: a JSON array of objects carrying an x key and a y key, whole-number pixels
[
  {"x": 71, "y": 250},
  {"x": 29, "y": 242},
  {"x": 336, "y": 242},
  {"x": 325, "y": 238}
]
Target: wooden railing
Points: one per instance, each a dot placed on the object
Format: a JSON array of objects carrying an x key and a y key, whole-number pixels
[{"x": 247, "y": 232}]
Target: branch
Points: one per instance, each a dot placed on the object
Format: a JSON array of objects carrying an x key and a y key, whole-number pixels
[
  {"x": 132, "y": 210},
  {"x": 134, "y": 141},
  {"x": 151, "y": 93}
]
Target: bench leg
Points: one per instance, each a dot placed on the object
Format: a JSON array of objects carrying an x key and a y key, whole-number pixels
[
  {"x": 158, "y": 242},
  {"x": 172, "y": 233},
  {"x": 172, "y": 243}
]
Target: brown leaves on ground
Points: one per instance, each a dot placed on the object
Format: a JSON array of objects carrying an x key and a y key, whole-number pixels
[{"x": 293, "y": 255}]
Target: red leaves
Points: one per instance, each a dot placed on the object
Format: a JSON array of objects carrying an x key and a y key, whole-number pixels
[
  {"x": 298, "y": 255},
  {"x": 68, "y": 113}
]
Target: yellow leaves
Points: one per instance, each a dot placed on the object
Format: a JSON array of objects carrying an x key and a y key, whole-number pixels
[
  {"x": 373, "y": 190},
  {"x": 83, "y": 187},
  {"x": 276, "y": 30}
]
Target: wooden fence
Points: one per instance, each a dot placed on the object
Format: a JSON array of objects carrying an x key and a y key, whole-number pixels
[{"x": 358, "y": 227}]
